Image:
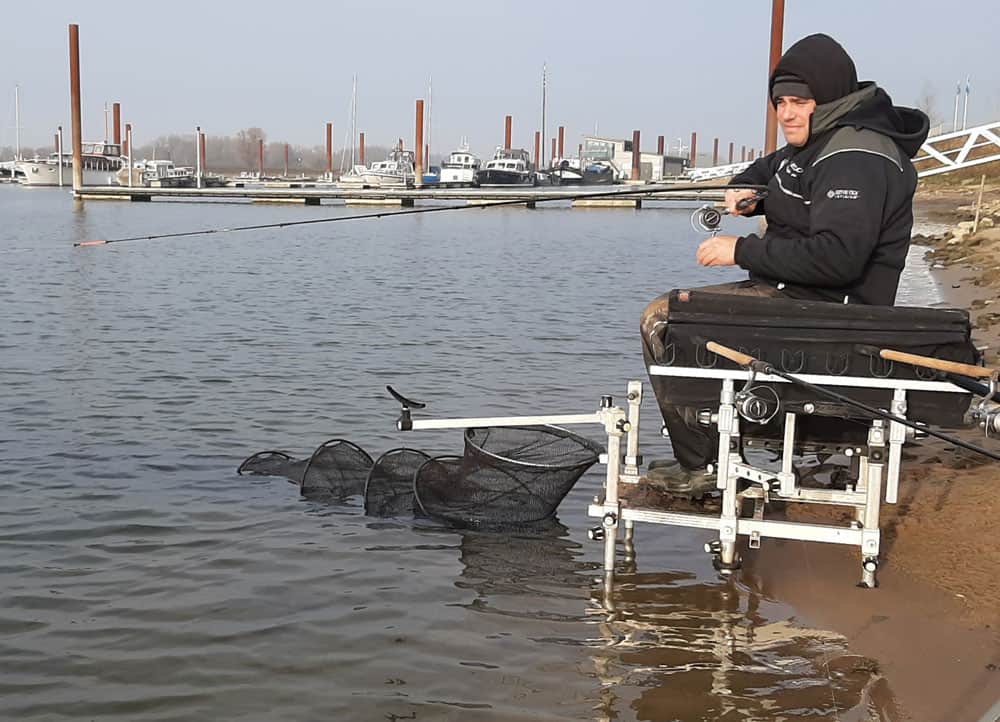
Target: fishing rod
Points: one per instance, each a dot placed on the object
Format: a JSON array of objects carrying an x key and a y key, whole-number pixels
[
  {"x": 759, "y": 192},
  {"x": 763, "y": 367}
]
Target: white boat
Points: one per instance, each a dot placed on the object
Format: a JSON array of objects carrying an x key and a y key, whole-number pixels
[
  {"x": 508, "y": 167},
  {"x": 460, "y": 168},
  {"x": 101, "y": 163},
  {"x": 396, "y": 171}
]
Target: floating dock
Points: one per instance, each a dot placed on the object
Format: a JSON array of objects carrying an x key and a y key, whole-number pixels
[{"x": 315, "y": 194}]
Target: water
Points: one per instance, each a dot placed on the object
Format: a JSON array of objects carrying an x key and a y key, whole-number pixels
[{"x": 142, "y": 579}]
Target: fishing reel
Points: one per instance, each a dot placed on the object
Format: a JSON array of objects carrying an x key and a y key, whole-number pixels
[
  {"x": 756, "y": 403},
  {"x": 986, "y": 414},
  {"x": 708, "y": 218}
]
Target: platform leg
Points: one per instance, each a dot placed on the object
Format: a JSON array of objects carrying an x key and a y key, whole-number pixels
[
  {"x": 729, "y": 433},
  {"x": 873, "y": 489}
]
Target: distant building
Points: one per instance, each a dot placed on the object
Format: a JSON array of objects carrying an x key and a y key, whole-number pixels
[{"x": 652, "y": 167}]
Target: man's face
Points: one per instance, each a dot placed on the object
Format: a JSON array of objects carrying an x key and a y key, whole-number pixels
[{"x": 793, "y": 115}]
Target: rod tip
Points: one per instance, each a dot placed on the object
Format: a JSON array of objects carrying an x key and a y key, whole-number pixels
[{"x": 89, "y": 243}]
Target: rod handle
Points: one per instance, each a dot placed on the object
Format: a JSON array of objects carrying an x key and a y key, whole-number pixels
[
  {"x": 732, "y": 354},
  {"x": 952, "y": 367}
]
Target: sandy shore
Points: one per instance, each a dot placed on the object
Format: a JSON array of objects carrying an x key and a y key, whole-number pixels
[{"x": 933, "y": 625}]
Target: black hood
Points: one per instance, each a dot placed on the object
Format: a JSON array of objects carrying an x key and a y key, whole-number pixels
[
  {"x": 822, "y": 64},
  {"x": 907, "y": 126}
]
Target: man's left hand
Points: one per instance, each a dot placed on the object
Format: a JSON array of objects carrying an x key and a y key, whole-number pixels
[{"x": 717, "y": 251}]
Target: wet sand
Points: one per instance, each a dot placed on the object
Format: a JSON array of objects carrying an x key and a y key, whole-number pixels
[{"x": 933, "y": 625}]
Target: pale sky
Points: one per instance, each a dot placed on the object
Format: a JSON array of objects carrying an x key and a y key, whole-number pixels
[{"x": 660, "y": 67}]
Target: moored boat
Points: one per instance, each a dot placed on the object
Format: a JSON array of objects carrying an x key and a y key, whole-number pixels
[
  {"x": 508, "y": 167},
  {"x": 460, "y": 168},
  {"x": 101, "y": 163}
]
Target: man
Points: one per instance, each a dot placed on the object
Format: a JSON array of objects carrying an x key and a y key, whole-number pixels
[{"x": 839, "y": 215}]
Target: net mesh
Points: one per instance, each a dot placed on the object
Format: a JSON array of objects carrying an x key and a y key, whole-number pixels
[
  {"x": 511, "y": 474},
  {"x": 389, "y": 488},
  {"x": 505, "y": 475}
]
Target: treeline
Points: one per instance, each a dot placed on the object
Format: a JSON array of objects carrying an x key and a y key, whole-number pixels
[{"x": 231, "y": 153}]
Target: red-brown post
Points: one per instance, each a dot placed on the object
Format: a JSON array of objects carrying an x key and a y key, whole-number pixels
[
  {"x": 116, "y": 119},
  {"x": 715, "y": 153},
  {"x": 506, "y": 131},
  {"x": 361, "y": 149},
  {"x": 636, "y": 157},
  {"x": 743, "y": 154},
  {"x": 562, "y": 135},
  {"x": 74, "y": 101},
  {"x": 730, "y": 152},
  {"x": 777, "y": 31},
  {"x": 126, "y": 148},
  {"x": 202, "y": 153},
  {"x": 260, "y": 156},
  {"x": 751, "y": 155},
  {"x": 418, "y": 146},
  {"x": 329, "y": 150},
  {"x": 55, "y": 143},
  {"x": 286, "y": 160},
  {"x": 552, "y": 156},
  {"x": 694, "y": 149},
  {"x": 538, "y": 146},
  {"x": 659, "y": 145}
]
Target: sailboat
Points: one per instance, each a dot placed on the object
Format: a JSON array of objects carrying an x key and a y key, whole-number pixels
[{"x": 355, "y": 177}]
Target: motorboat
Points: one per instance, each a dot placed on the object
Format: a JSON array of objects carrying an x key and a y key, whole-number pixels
[
  {"x": 396, "y": 171},
  {"x": 101, "y": 163},
  {"x": 460, "y": 168},
  {"x": 571, "y": 171},
  {"x": 508, "y": 167}
]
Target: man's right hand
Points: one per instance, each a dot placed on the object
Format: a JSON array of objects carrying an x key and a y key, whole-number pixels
[{"x": 733, "y": 198}]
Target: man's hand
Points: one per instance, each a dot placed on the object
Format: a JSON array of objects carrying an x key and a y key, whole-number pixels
[
  {"x": 733, "y": 197},
  {"x": 717, "y": 251}
]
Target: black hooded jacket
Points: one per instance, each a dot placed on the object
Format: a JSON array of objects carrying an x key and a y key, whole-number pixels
[{"x": 839, "y": 211}]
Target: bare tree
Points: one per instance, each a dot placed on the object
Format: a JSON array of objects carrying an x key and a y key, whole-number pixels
[
  {"x": 247, "y": 141},
  {"x": 928, "y": 102}
]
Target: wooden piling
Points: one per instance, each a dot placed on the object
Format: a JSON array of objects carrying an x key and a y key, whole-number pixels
[
  {"x": 418, "y": 147},
  {"x": 506, "y": 132},
  {"x": 201, "y": 151},
  {"x": 715, "y": 153},
  {"x": 636, "y": 157},
  {"x": 329, "y": 151},
  {"x": 286, "y": 160},
  {"x": 694, "y": 149},
  {"x": 260, "y": 156},
  {"x": 743, "y": 154},
  {"x": 659, "y": 145},
  {"x": 777, "y": 31},
  {"x": 116, "y": 120},
  {"x": 538, "y": 147},
  {"x": 730, "y": 152},
  {"x": 562, "y": 147},
  {"x": 361, "y": 149},
  {"x": 74, "y": 101},
  {"x": 552, "y": 156}
]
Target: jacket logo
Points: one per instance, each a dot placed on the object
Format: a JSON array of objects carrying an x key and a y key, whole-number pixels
[
  {"x": 794, "y": 170},
  {"x": 843, "y": 194}
]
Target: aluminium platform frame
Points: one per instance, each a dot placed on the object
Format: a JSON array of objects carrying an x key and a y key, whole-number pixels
[{"x": 878, "y": 468}]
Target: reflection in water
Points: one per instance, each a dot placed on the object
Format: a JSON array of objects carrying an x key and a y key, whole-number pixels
[{"x": 680, "y": 649}]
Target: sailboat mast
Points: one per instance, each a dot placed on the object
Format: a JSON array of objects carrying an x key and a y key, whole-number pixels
[
  {"x": 542, "y": 162},
  {"x": 430, "y": 98},
  {"x": 354, "y": 118},
  {"x": 17, "y": 123}
]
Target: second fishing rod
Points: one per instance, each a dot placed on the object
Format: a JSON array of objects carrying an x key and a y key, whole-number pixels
[{"x": 635, "y": 192}]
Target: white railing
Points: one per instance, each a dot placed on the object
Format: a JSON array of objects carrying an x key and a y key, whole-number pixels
[{"x": 943, "y": 159}]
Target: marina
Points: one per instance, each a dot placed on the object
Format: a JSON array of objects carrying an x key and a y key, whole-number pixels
[{"x": 287, "y": 438}]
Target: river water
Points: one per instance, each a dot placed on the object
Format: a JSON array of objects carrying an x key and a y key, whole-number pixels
[{"x": 142, "y": 579}]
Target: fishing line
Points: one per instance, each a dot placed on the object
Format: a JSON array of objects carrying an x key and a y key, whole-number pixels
[{"x": 760, "y": 191}]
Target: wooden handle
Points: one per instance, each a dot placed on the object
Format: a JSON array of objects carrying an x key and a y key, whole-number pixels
[
  {"x": 733, "y": 355},
  {"x": 952, "y": 367}
]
